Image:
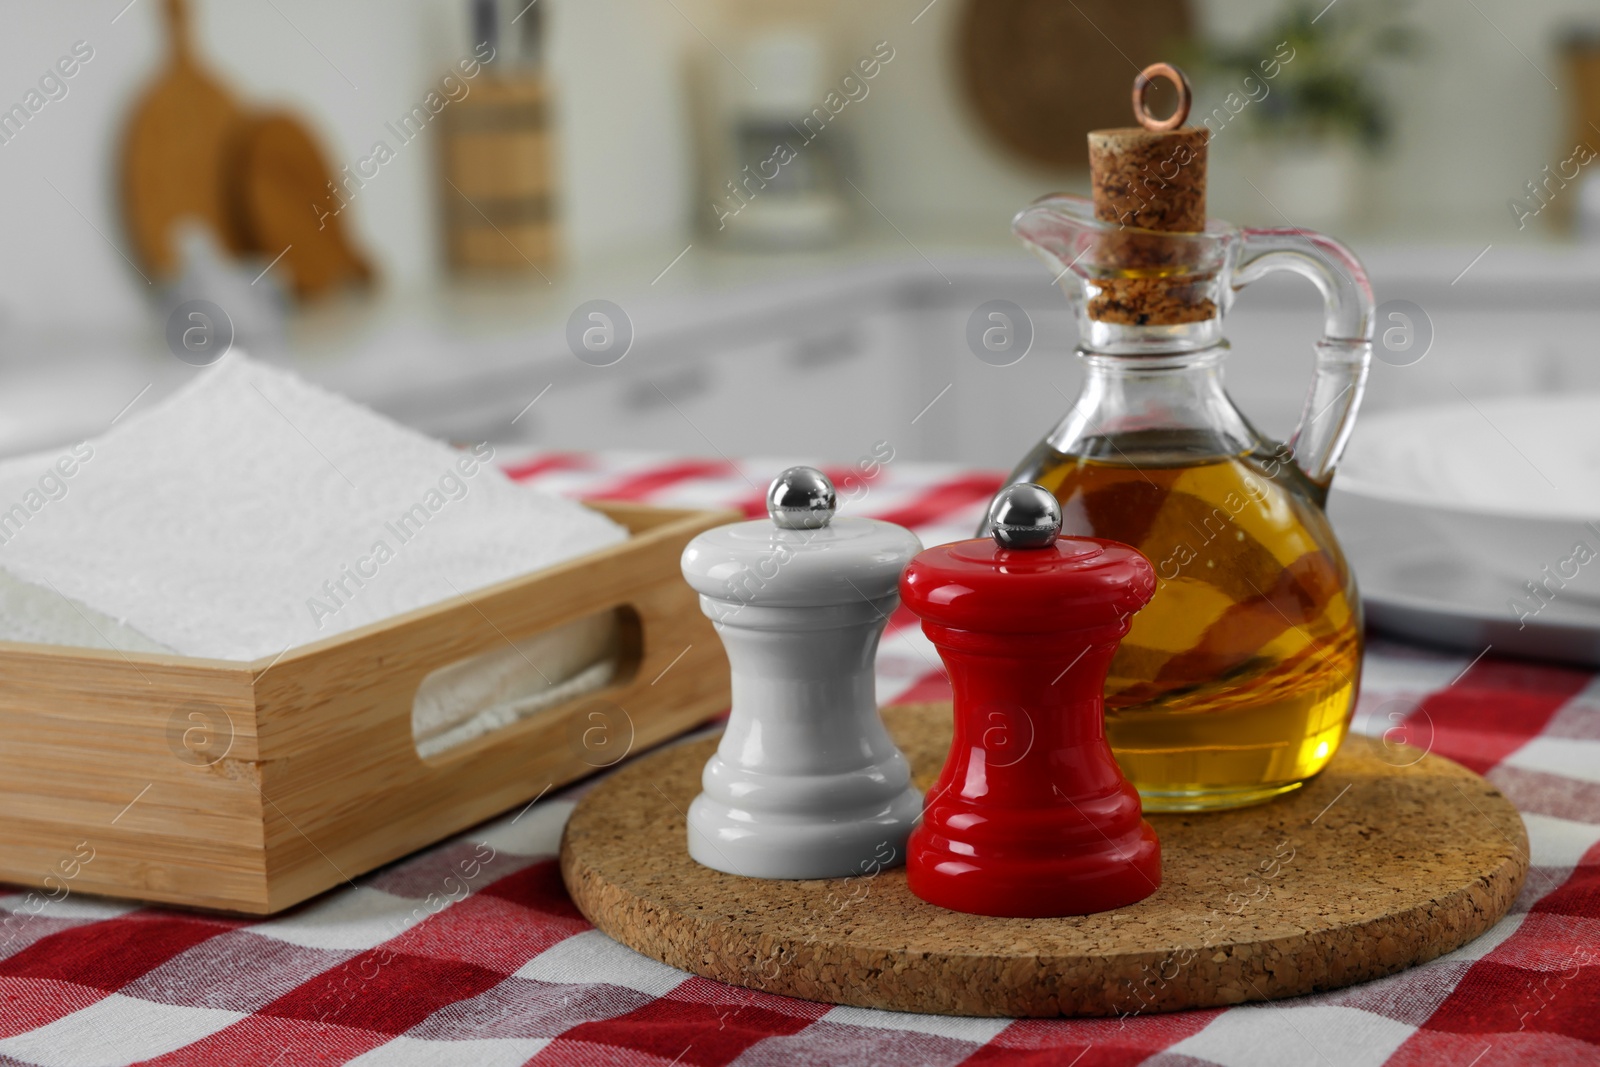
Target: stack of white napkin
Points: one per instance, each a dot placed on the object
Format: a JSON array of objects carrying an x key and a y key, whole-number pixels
[{"x": 253, "y": 512}]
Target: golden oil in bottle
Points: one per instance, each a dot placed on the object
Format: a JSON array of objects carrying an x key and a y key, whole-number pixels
[{"x": 1237, "y": 682}]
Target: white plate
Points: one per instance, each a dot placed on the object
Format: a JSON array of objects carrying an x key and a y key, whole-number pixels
[
  {"x": 1479, "y": 522},
  {"x": 1506, "y": 487},
  {"x": 1521, "y": 458},
  {"x": 1417, "y": 586}
]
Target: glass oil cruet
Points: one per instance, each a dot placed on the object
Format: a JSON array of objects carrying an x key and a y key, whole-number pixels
[{"x": 1238, "y": 681}]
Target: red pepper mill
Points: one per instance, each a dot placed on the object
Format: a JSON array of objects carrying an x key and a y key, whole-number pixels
[{"x": 1031, "y": 816}]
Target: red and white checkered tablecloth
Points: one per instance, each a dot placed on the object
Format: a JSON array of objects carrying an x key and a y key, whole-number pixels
[{"x": 392, "y": 971}]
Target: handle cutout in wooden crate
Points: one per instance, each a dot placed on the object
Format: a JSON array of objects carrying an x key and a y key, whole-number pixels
[{"x": 496, "y": 689}]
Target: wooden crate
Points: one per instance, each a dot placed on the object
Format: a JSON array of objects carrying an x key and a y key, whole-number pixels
[{"x": 249, "y": 787}]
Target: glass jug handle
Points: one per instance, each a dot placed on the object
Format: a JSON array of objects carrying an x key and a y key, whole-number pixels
[{"x": 1343, "y": 353}]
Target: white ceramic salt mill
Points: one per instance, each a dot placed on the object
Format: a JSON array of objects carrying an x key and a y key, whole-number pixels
[{"x": 806, "y": 782}]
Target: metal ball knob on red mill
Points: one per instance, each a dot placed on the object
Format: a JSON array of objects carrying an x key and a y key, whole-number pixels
[{"x": 1237, "y": 682}]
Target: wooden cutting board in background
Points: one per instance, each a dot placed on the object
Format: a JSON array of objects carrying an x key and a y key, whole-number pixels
[
  {"x": 1580, "y": 55},
  {"x": 1041, "y": 74},
  {"x": 256, "y": 179},
  {"x": 173, "y": 153},
  {"x": 280, "y": 184}
]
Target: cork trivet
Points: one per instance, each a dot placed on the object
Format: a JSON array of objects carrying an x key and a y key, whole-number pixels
[{"x": 1378, "y": 864}]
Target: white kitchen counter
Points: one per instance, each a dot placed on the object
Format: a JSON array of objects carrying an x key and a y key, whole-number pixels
[{"x": 821, "y": 353}]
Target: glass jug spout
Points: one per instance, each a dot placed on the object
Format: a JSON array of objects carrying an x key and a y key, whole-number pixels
[
  {"x": 1134, "y": 291},
  {"x": 1143, "y": 292}
]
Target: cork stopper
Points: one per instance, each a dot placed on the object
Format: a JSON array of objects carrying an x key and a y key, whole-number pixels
[{"x": 1150, "y": 177}]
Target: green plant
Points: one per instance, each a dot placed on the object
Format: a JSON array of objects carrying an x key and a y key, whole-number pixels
[{"x": 1333, "y": 84}]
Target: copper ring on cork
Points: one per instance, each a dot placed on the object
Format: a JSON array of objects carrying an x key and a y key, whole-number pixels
[{"x": 1141, "y": 86}]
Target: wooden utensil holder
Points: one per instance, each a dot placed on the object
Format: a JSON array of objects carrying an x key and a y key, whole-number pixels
[{"x": 497, "y": 188}]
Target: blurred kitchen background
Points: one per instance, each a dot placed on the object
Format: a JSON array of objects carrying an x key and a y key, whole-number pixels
[{"x": 601, "y": 155}]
